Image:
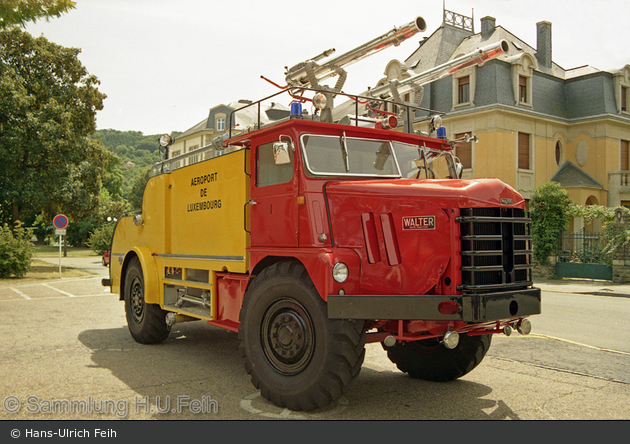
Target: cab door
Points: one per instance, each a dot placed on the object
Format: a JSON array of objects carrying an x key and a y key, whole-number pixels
[{"x": 274, "y": 209}]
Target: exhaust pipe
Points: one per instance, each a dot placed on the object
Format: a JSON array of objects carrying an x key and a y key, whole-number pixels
[{"x": 174, "y": 318}]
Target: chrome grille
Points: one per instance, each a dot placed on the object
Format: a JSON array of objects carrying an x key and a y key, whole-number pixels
[{"x": 496, "y": 249}]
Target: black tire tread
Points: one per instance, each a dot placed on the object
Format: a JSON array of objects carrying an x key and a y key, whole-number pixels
[
  {"x": 440, "y": 364},
  {"x": 346, "y": 340},
  {"x": 153, "y": 328}
]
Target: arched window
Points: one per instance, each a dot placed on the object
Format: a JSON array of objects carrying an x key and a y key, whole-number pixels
[{"x": 559, "y": 153}]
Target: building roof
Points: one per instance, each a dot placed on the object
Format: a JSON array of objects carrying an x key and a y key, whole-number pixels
[
  {"x": 244, "y": 118},
  {"x": 449, "y": 42},
  {"x": 569, "y": 175}
]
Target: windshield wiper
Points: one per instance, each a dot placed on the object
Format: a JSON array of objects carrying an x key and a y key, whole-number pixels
[{"x": 344, "y": 153}]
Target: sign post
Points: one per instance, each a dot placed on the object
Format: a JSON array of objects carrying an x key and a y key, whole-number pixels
[{"x": 60, "y": 222}]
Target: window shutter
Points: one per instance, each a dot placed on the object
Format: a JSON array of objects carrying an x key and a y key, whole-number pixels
[
  {"x": 624, "y": 155},
  {"x": 523, "y": 151},
  {"x": 464, "y": 151}
]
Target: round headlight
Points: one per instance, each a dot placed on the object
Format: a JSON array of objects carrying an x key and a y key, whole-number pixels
[
  {"x": 319, "y": 100},
  {"x": 451, "y": 339},
  {"x": 340, "y": 272},
  {"x": 165, "y": 140},
  {"x": 436, "y": 122}
]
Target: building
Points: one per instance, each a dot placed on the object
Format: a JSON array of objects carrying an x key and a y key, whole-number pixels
[
  {"x": 216, "y": 125},
  {"x": 536, "y": 121}
]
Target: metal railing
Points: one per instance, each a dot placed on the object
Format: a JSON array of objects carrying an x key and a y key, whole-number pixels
[{"x": 584, "y": 247}]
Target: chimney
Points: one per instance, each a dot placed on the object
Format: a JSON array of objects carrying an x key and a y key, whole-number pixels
[
  {"x": 543, "y": 43},
  {"x": 487, "y": 26}
]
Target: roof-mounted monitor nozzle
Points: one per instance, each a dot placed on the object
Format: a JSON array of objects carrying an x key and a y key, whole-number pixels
[{"x": 297, "y": 75}]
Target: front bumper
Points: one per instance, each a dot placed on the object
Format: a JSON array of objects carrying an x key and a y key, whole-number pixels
[{"x": 472, "y": 307}]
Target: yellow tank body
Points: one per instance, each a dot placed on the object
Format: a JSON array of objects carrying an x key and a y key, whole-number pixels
[{"x": 193, "y": 224}]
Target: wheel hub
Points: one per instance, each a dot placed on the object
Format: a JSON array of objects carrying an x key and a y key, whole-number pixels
[
  {"x": 137, "y": 300},
  {"x": 287, "y": 336}
]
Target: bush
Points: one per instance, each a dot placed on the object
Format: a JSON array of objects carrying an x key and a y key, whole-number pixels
[
  {"x": 101, "y": 238},
  {"x": 548, "y": 209},
  {"x": 16, "y": 251}
]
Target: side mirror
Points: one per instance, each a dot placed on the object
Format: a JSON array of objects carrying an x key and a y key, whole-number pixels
[{"x": 281, "y": 154}]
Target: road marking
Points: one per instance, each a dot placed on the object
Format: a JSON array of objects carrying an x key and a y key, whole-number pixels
[
  {"x": 56, "y": 297},
  {"x": 58, "y": 291},
  {"x": 20, "y": 293},
  {"x": 248, "y": 402},
  {"x": 536, "y": 335}
]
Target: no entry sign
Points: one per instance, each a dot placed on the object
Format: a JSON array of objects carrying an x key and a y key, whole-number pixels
[{"x": 60, "y": 221}]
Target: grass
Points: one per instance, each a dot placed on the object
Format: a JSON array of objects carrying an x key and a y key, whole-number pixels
[
  {"x": 53, "y": 251},
  {"x": 42, "y": 271}
]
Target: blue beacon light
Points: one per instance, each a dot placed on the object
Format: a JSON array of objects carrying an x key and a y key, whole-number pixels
[
  {"x": 441, "y": 132},
  {"x": 296, "y": 110}
]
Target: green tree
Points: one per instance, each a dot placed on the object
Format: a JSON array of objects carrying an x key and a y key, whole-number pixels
[
  {"x": 114, "y": 179},
  {"x": 101, "y": 238},
  {"x": 548, "y": 209},
  {"x": 48, "y": 104},
  {"x": 137, "y": 190},
  {"x": 19, "y": 12}
]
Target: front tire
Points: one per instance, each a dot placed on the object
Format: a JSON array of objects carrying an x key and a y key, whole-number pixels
[
  {"x": 432, "y": 361},
  {"x": 146, "y": 322},
  {"x": 296, "y": 356}
]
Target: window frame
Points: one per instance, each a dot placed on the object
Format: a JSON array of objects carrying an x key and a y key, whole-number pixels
[
  {"x": 622, "y": 90},
  {"x": 523, "y": 68},
  {"x": 471, "y": 73}
]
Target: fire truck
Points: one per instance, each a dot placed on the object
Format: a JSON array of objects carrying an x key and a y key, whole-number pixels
[{"x": 312, "y": 234}]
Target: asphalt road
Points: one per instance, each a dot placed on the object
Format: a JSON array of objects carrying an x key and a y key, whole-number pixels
[{"x": 67, "y": 354}]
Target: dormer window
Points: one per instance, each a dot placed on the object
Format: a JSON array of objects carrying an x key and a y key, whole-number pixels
[
  {"x": 522, "y": 89},
  {"x": 622, "y": 89},
  {"x": 523, "y": 72},
  {"x": 464, "y": 87},
  {"x": 221, "y": 124}
]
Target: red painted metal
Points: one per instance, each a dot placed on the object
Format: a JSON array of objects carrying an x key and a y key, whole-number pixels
[
  {"x": 230, "y": 291},
  {"x": 359, "y": 221}
]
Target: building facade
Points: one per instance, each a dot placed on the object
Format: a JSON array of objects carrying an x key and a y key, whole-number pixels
[
  {"x": 535, "y": 120},
  {"x": 217, "y": 125}
]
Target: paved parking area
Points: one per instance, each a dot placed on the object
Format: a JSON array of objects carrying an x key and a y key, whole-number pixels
[
  {"x": 66, "y": 340},
  {"x": 62, "y": 288}
]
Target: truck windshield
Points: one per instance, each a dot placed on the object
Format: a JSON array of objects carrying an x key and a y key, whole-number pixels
[{"x": 346, "y": 156}]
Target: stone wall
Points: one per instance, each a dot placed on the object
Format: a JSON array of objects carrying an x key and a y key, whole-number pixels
[{"x": 544, "y": 271}]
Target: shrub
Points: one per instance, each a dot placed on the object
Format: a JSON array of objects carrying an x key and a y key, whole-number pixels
[
  {"x": 101, "y": 238},
  {"x": 548, "y": 209},
  {"x": 16, "y": 251}
]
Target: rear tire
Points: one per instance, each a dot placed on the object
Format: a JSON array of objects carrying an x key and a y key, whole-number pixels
[
  {"x": 146, "y": 322},
  {"x": 432, "y": 361},
  {"x": 296, "y": 356}
]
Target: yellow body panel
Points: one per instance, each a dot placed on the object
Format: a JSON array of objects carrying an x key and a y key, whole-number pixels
[{"x": 193, "y": 220}]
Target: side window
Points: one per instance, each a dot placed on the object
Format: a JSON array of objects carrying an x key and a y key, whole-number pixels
[{"x": 268, "y": 173}]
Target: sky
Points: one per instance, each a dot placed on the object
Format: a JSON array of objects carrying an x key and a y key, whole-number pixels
[{"x": 164, "y": 63}]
